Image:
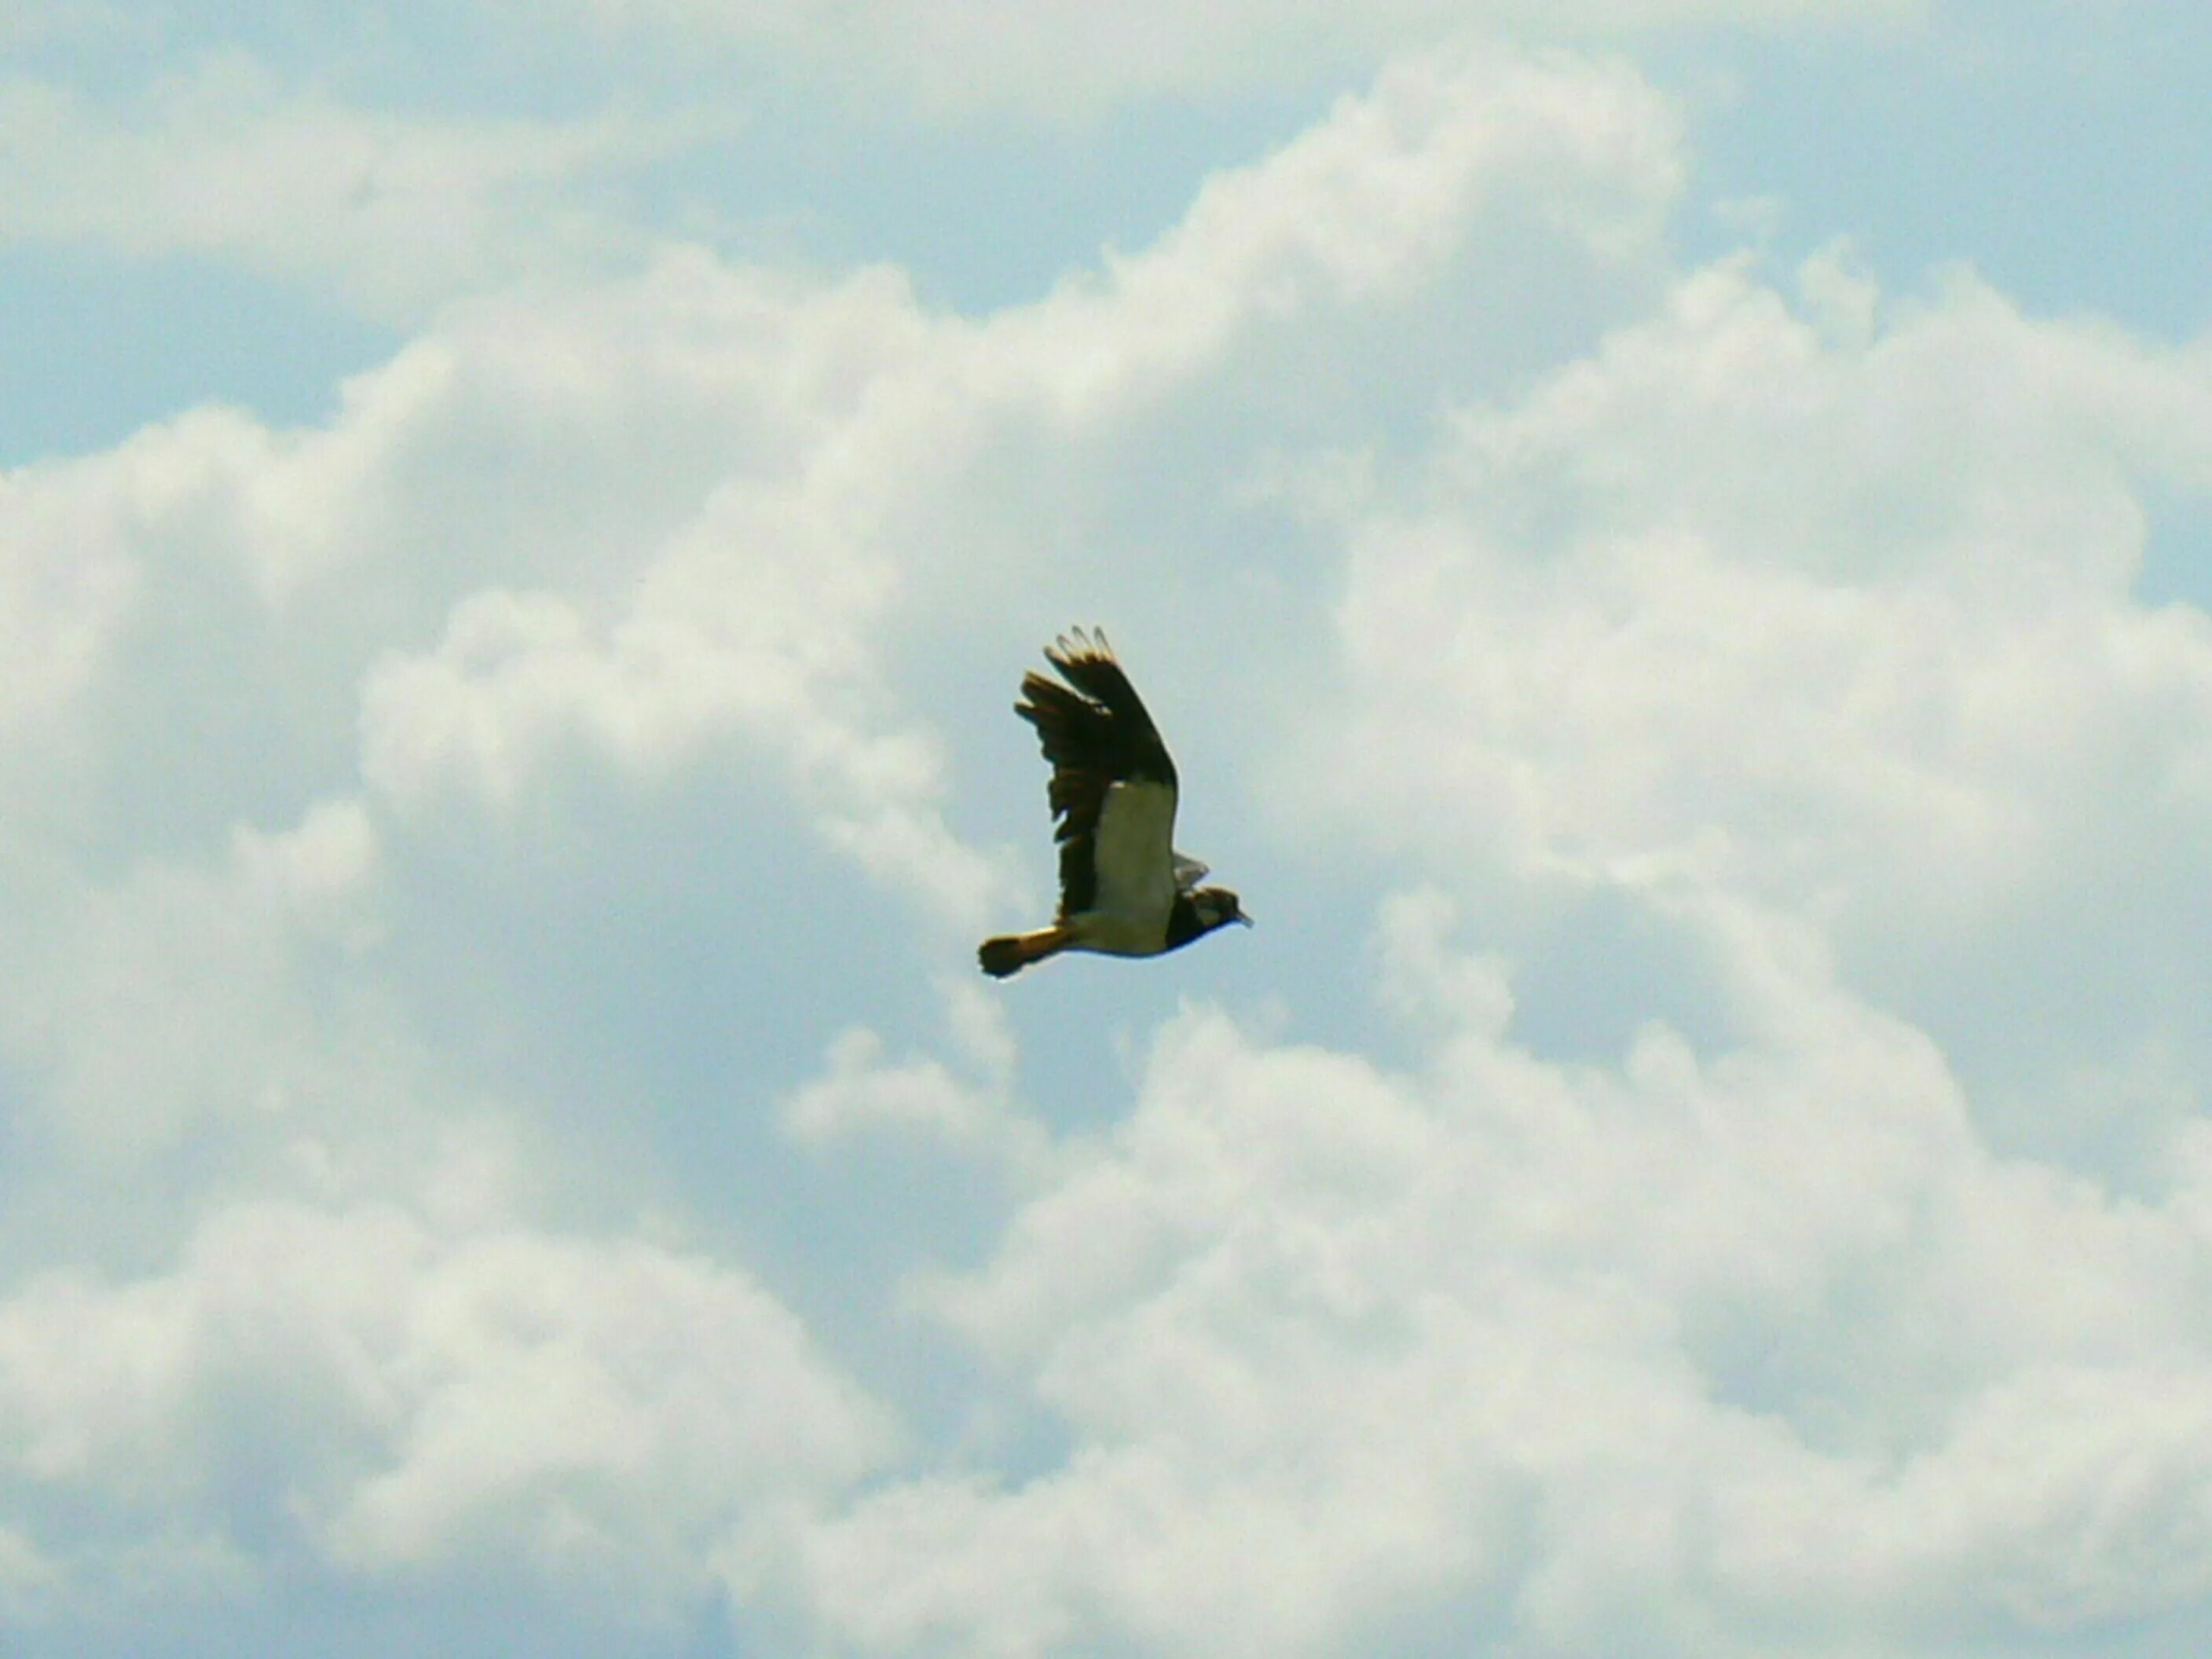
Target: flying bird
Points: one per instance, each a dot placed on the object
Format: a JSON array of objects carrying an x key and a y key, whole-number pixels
[{"x": 1124, "y": 890}]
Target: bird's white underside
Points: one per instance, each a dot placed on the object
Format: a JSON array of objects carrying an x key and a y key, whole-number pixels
[{"x": 1137, "y": 871}]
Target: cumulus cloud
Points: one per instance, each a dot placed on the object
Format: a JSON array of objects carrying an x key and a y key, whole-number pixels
[
  {"x": 1758, "y": 1351},
  {"x": 396, "y": 1397},
  {"x": 483, "y": 850},
  {"x": 349, "y": 716},
  {"x": 712, "y": 576},
  {"x": 1840, "y": 623},
  {"x": 861, "y": 1095},
  {"x": 1812, "y": 631},
  {"x": 149, "y": 1008}
]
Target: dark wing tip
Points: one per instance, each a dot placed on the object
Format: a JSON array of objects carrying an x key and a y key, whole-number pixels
[{"x": 1119, "y": 738}]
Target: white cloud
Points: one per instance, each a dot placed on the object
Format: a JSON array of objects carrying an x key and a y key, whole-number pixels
[
  {"x": 1840, "y": 623},
  {"x": 861, "y": 1095},
  {"x": 1366, "y": 211},
  {"x": 718, "y": 577},
  {"x": 604, "y": 1412},
  {"x": 180, "y": 997},
  {"x": 771, "y": 611},
  {"x": 1752, "y": 1352},
  {"x": 580, "y": 542},
  {"x": 727, "y": 636},
  {"x": 1796, "y": 626},
  {"x": 1817, "y": 638}
]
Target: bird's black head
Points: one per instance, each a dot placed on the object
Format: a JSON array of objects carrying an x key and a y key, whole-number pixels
[
  {"x": 1217, "y": 907},
  {"x": 1199, "y": 913}
]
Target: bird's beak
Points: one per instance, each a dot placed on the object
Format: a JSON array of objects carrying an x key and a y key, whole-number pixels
[{"x": 1242, "y": 917}]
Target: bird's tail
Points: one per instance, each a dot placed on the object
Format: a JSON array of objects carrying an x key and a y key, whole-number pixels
[{"x": 1011, "y": 952}]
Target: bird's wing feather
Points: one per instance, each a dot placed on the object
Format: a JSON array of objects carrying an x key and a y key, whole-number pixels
[
  {"x": 1099, "y": 738},
  {"x": 1087, "y": 662},
  {"x": 1188, "y": 871}
]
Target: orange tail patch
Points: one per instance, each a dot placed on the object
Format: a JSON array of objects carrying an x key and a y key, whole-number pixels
[{"x": 1011, "y": 952}]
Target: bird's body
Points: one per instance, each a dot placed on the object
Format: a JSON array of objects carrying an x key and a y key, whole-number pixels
[{"x": 1124, "y": 890}]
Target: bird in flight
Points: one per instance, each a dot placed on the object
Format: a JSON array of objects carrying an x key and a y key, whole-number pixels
[{"x": 1124, "y": 890}]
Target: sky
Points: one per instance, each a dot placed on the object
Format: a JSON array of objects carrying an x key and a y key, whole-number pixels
[{"x": 1671, "y": 542}]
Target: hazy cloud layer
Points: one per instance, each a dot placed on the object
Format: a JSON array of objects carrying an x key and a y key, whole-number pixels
[
  {"x": 390, "y": 211},
  {"x": 1055, "y": 60}
]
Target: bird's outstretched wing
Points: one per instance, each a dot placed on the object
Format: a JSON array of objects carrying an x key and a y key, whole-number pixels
[{"x": 1112, "y": 789}]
